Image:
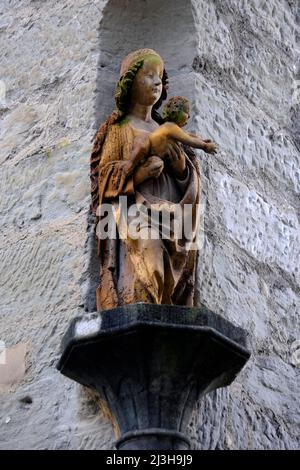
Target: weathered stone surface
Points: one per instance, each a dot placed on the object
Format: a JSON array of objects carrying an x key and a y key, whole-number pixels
[
  {"x": 238, "y": 64},
  {"x": 267, "y": 230},
  {"x": 12, "y": 369}
]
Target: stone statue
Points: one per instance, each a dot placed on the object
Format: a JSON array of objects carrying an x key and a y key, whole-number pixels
[{"x": 137, "y": 153}]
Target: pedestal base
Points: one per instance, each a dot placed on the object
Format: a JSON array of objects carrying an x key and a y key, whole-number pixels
[
  {"x": 158, "y": 439},
  {"x": 151, "y": 363}
]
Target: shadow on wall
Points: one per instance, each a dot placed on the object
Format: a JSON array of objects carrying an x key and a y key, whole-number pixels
[{"x": 167, "y": 27}]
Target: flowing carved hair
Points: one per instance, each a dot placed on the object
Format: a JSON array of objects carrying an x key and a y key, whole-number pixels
[{"x": 122, "y": 98}]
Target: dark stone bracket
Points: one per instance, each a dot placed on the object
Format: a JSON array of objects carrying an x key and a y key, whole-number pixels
[{"x": 151, "y": 363}]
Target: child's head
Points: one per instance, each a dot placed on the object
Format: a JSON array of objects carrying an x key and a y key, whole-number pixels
[{"x": 177, "y": 110}]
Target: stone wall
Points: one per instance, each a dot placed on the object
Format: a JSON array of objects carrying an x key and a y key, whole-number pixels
[{"x": 237, "y": 62}]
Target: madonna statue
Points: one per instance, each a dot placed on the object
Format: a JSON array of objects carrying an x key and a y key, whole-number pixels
[{"x": 156, "y": 269}]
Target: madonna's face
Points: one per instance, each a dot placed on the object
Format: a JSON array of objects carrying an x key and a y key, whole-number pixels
[{"x": 147, "y": 84}]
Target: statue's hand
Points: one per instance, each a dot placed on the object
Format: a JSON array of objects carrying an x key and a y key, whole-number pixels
[
  {"x": 209, "y": 146},
  {"x": 176, "y": 158},
  {"x": 152, "y": 168}
]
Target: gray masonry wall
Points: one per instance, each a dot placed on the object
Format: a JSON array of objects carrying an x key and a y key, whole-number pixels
[{"x": 237, "y": 62}]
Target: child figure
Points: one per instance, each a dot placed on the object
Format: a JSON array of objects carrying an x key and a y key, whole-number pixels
[
  {"x": 175, "y": 114},
  {"x": 177, "y": 111}
]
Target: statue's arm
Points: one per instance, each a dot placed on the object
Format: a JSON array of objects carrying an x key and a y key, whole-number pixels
[
  {"x": 120, "y": 176},
  {"x": 169, "y": 130},
  {"x": 151, "y": 168},
  {"x": 141, "y": 148},
  {"x": 114, "y": 179},
  {"x": 206, "y": 144},
  {"x": 176, "y": 160}
]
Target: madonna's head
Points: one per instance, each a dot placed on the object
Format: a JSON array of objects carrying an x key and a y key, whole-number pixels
[{"x": 143, "y": 79}]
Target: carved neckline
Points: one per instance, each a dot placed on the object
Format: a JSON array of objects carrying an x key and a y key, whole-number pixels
[{"x": 141, "y": 130}]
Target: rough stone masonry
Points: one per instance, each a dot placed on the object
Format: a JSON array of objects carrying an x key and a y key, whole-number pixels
[{"x": 239, "y": 64}]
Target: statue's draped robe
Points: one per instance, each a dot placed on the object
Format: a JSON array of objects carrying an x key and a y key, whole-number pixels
[{"x": 157, "y": 270}]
